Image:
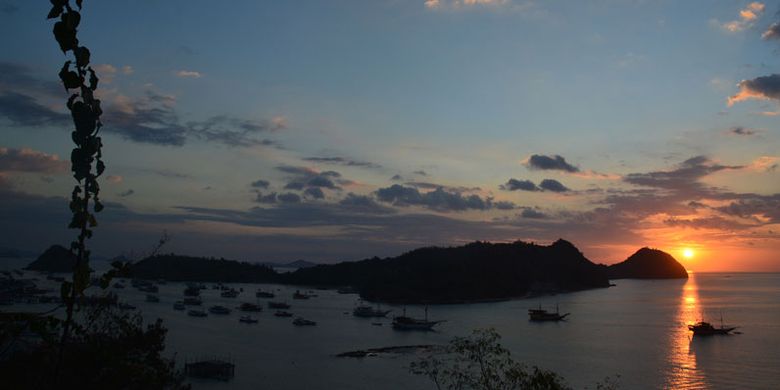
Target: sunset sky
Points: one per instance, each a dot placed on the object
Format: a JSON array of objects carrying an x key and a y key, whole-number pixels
[{"x": 341, "y": 130}]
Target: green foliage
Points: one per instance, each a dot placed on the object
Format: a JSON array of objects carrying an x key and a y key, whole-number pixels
[
  {"x": 108, "y": 349},
  {"x": 480, "y": 362}
]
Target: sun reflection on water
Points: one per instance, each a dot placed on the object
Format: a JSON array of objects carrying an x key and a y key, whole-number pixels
[{"x": 684, "y": 373}]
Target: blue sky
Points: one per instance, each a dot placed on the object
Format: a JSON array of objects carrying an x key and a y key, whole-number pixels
[{"x": 206, "y": 98}]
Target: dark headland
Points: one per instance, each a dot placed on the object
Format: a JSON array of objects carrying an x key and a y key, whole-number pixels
[
  {"x": 648, "y": 263},
  {"x": 479, "y": 271},
  {"x": 55, "y": 259}
]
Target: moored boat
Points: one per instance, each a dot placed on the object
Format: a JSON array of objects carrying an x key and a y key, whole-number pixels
[
  {"x": 282, "y": 313},
  {"x": 278, "y": 305},
  {"x": 264, "y": 294},
  {"x": 219, "y": 310},
  {"x": 231, "y": 293},
  {"x": 179, "y": 305},
  {"x": 368, "y": 311},
  {"x": 193, "y": 301},
  {"x": 408, "y": 323},
  {"x": 300, "y": 321},
  {"x": 250, "y": 307},
  {"x": 197, "y": 313},
  {"x": 540, "y": 314},
  {"x": 248, "y": 320}
]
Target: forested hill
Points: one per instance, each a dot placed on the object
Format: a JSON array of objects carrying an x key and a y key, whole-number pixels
[
  {"x": 473, "y": 272},
  {"x": 648, "y": 263},
  {"x": 200, "y": 269}
]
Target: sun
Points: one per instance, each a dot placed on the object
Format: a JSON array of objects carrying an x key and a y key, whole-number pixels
[{"x": 688, "y": 253}]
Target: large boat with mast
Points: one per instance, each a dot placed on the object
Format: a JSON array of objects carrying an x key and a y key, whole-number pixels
[
  {"x": 408, "y": 323},
  {"x": 540, "y": 314},
  {"x": 703, "y": 328}
]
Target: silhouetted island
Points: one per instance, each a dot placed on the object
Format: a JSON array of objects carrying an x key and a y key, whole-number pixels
[
  {"x": 177, "y": 268},
  {"x": 478, "y": 271},
  {"x": 55, "y": 259},
  {"x": 648, "y": 263}
]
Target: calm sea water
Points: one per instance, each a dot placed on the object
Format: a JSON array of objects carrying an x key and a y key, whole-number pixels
[{"x": 635, "y": 330}]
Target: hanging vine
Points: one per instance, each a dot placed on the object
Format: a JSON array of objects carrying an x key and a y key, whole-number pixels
[{"x": 81, "y": 81}]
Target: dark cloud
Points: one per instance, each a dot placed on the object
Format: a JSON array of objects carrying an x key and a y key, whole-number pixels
[
  {"x": 150, "y": 120},
  {"x": 288, "y": 197},
  {"x": 273, "y": 197},
  {"x": 552, "y": 185},
  {"x": 432, "y": 186},
  {"x": 764, "y": 87},
  {"x": 714, "y": 222},
  {"x": 127, "y": 193},
  {"x": 685, "y": 176},
  {"x": 305, "y": 177},
  {"x": 504, "y": 205},
  {"x": 542, "y": 162},
  {"x": 260, "y": 183},
  {"x": 532, "y": 213},
  {"x": 739, "y": 130},
  {"x": 343, "y": 161},
  {"x": 522, "y": 185},
  {"x": 363, "y": 203},
  {"x": 23, "y": 110},
  {"x": 233, "y": 131},
  {"x": 765, "y": 206},
  {"x": 772, "y": 32},
  {"x": 421, "y": 173},
  {"x": 164, "y": 173},
  {"x": 28, "y": 160},
  {"x": 314, "y": 193},
  {"x": 438, "y": 199},
  {"x": 397, "y": 178}
]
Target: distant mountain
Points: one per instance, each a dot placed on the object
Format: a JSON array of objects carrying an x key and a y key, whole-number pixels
[
  {"x": 292, "y": 264},
  {"x": 473, "y": 272},
  {"x": 54, "y": 259},
  {"x": 648, "y": 263},
  {"x": 199, "y": 269}
]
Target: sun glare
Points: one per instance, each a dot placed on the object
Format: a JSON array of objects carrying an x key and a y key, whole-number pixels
[{"x": 688, "y": 253}]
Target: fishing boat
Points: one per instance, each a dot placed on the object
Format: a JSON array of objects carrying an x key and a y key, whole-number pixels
[
  {"x": 179, "y": 305},
  {"x": 300, "y": 295},
  {"x": 152, "y": 298},
  {"x": 248, "y": 320},
  {"x": 368, "y": 311},
  {"x": 197, "y": 313},
  {"x": 264, "y": 294},
  {"x": 408, "y": 323},
  {"x": 540, "y": 314},
  {"x": 219, "y": 310},
  {"x": 300, "y": 321},
  {"x": 282, "y": 313},
  {"x": 232, "y": 293},
  {"x": 703, "y": 328},
  {"x": 250, "y": 307},
  {"x": 278, "y": 305}
]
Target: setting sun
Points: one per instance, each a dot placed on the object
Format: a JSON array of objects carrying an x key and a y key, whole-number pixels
[{"x": 688, "y": 253}]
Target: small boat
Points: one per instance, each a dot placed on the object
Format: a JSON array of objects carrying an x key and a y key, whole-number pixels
[
  {"x": 250, "y": 307},
  {"x": 300, "y": 295},
  {"x": 219, "y": 310},
  {"x": 126, "y": 306},
  {"x": 193, "y": 301},
  {"x": 282, "y": 313},
  {"x": 278, "y": 305},
  {"x": 300, "y": 321},
  {"x": 152, "y": 298},
  {"x": 197, "y": 313},
  {"x": 179, "y": 305},
  {"x": 702, "y": 328},
  {"x": 229, "y": 293},
  {"x": 408, "y": 323},
  {"x": 264, "y": 294},
  {"x": 543, "y": 315},
  {"x": 368, "y": 311},
  {"x": 248, "y": 320},
  {"x": 192, "y": 291}
]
